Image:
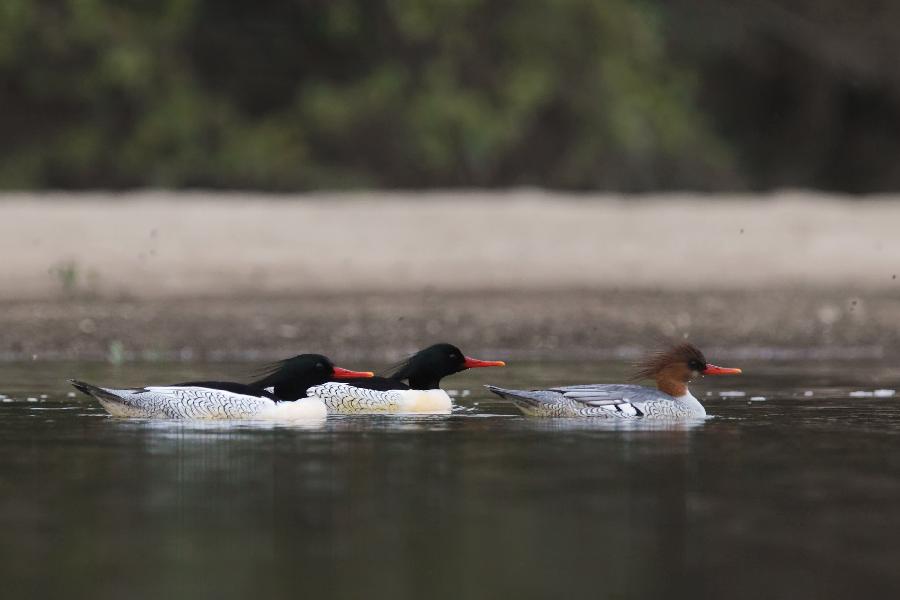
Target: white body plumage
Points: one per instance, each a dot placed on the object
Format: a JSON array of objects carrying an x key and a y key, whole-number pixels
[
  {"x": 174, "y": 402},
  {"x": 341, "y": 398},
  {"x": 611, "y": 401}
]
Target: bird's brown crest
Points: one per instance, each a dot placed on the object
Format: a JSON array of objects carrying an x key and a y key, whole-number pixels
[{"x": 656, "y": 362}]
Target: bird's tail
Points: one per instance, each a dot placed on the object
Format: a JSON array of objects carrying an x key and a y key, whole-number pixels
[
  {"x": 533, "y": 403},
  {"x": 503, "y": 393},
  {"x": 95, "y": 392},
  {"x": 118, "y": 403},
  {"x": 519, "y": 397}
]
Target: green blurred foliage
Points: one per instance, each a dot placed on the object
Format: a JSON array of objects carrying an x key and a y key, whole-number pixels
[{"x": 286, "y": 95}]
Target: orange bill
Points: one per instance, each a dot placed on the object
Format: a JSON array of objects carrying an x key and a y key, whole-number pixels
[
  {"x": 340, "y": 373},
  {"x": 474, "y": 363},
  {"x": 714, "y": 370}
]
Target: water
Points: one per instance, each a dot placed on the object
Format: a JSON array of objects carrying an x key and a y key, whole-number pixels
[{"x": 797, "y": 495}]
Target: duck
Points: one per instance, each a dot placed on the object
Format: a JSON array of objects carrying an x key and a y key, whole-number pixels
[
  {"x": 672, "y": 369},
  {"x": 280, "y": 394},
  {"x": 423, "y": 371}
]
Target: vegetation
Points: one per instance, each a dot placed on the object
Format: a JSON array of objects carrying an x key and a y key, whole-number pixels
[{"x": 285, "y": 95}]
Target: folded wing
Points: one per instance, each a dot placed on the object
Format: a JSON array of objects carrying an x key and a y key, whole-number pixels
[
  {"x": 612, "y": 400},
  {"x": 177, "y": 402}
]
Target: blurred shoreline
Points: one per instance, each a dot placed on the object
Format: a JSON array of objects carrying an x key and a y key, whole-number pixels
[
  {"x": 188, "y": 276},
  {"x": 766, "y": 324}
]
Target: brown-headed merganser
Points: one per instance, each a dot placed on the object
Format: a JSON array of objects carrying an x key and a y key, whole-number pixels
[
  {"x": 423, "y": 394},
  {"x": 280, "y": 395},
  {"x": 672, "y": 369}
]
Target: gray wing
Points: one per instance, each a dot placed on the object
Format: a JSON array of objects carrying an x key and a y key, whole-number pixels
[
  {"x": 611, "y": 394},
  {"x": 598, "y": 400}
]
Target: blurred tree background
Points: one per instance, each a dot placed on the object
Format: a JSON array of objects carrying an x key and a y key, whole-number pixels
[{"x": 572, "y": 94}]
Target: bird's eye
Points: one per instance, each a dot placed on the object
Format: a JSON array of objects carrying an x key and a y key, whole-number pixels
[
  {"x": 320, "y": 366},
  {"x": 453, "y": 355}
]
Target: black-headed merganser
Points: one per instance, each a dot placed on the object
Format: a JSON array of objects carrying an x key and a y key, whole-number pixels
[
  {"x": 280, "y": 395},
  {"x": 672, "y": 369},
  {"x": 423, "y": 370}
]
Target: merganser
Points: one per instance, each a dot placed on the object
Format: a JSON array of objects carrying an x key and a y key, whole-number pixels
[
  {"x": 672, "y": 369},
  {"x": 423, "y": 370},
  {"x": 280, "y": 395}
]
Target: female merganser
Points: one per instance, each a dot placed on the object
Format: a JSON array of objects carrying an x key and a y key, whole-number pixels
[
  {"x": 672, "y": 370},
  {"x": 423, "y": 370},
  {"x": 280, "y": 395}
]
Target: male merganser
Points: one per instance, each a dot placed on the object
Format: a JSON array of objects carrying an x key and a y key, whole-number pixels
[
  {"x": 280, "y": 395},
  {"x": 672, "y": 369},
  {"x": 423, "y": 370}
]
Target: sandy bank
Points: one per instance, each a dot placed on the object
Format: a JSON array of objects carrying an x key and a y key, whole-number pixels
[{"x": 161, "y": 244}]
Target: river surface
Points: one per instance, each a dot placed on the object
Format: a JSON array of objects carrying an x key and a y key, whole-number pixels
[{"x": 791, "y": 490}]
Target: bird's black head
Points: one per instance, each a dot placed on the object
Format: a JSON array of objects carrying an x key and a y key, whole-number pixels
[
  {"x": 291, "y": 377},
  {"x": 426, "y": 368}
]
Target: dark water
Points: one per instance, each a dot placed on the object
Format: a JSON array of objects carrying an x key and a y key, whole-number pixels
[{"x": 794, "y": 496}]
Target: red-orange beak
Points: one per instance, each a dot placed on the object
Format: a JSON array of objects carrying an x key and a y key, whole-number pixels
[
  {"x": 714, "y": 370},
  {"x": 474, "y": 363},
  {"x": 340, "y": 373}
]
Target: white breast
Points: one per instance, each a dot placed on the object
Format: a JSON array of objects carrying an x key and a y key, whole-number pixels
[
  {"x": 425, "y": 401},
  {"x": 691, "y": 404},
  {"x": 304, "y": 409}
]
